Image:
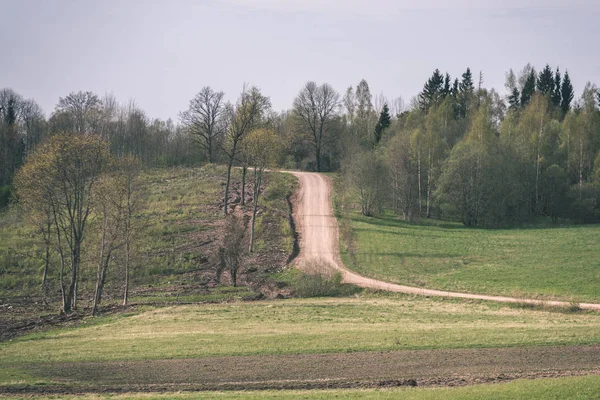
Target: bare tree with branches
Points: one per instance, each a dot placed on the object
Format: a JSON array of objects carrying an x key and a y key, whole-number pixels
[
  {"x": 84, "y": 110},
  {"x": 204, "y": 119},
  {"x": 315, "y": 108},
  {"x": 244, "y": 116}
]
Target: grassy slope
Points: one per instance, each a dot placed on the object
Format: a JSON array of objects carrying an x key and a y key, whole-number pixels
[
  {"x": 180, "y": 230},
  {"x": 576, "y": 388},
  {"x": 369, "y": 323},
  {"x": 560, "y": 262}
]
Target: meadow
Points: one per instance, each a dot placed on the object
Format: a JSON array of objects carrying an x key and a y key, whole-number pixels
[{"x": 545, "y": 262}]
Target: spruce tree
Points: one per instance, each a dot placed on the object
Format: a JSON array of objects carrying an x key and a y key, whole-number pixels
[
  {"x": 556, "y": 96},
  {"x": 384, "y": 121},
  {"x": 566, "y": 94},
  {"x": 528, "y": 89},
  {"x": 466, "y": 86},
  {"x": 545, "y": 81},
  {"x": 432, "y": 91},
  {"x": 466, "y": 89},
  {"x": 513, "y": 99},
  {"x": 447, "y": 89}
]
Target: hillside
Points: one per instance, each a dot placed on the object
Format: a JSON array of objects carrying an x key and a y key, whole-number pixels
[{"x": 176, "y": 250}]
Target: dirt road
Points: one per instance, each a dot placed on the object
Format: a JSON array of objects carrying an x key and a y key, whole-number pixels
[{"x": 318, "y": 231}]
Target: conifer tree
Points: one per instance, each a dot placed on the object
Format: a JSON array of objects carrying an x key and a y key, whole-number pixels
[
  {"x": 545, "y": 82},
  {"x": 447, "y": 89},
  {"x": 556, "y": 96},
  {"x": 384, "y": 121},
  {"x": 566, "y": 93},
  {"x": 466, "y": 85},
  {"x": 513, "y": 98},
  {"x": 465, "y": 94},
  {"x": 528, "y": 89},
  {"x": 432, "y": 91}
]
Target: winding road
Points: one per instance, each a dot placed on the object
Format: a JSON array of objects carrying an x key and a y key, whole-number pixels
[{"x": 318, "y": 232}]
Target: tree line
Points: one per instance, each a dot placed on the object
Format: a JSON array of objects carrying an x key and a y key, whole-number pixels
[
  {"x": 327, "y": 131},
  {"x": 463, "y": 151}
]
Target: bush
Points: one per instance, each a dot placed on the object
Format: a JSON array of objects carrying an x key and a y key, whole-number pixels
[
  {"x": 4, "y": 196},
  {"x": 319, "y": 280}
]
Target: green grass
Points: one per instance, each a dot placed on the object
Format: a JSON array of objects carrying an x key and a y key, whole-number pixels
[
  {"x": 546, "y": 262},
  {"x": 371, "y": 323},
  {"x": 573, "y": 388},
  {"x": 179, "y": 235}
]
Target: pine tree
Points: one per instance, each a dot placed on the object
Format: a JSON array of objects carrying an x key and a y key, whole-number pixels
[
  {"x": 384, "y": 121},
  {"x": 466, "y": 86},
  {"x": 447, "y": 89},
  {"x": 545, "y": 82},
  {"x": 528, "y": 89},
  {"x": 513, "y": 99},
  {"x": 454, "y": 92},
  {"x": 556, "y": 96},
  {"x": 465, "y": 94},
  {"x": 432, "y": 91},
  {"x": 566, "y": 93}
]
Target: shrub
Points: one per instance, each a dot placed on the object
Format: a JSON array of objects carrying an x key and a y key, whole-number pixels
[{"x": 319, "y": 280}]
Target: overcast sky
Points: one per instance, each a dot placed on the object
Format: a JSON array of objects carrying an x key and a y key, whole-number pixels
[{"x": 161, "y": 53}]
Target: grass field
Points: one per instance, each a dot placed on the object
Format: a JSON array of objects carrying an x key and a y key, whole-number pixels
[
  {"x": 547, "y": 262},
  {"x": 573, "y": 388},
  {"x": 371, "y": 323}
]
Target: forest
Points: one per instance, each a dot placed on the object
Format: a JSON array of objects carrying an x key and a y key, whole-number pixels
[{"x": 456, "y": 151}]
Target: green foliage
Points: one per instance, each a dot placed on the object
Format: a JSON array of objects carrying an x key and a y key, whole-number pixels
[
  {"x": 367, "y": 176},
  {"x": 557, "y": 95},
  {"x": 481, "y": 186},
  {"x": 384, "y": 122},
  {"x": 5, "y": 193},
  {"x": 433, "y": 91},
  {"x": 545, "y": 82},
  {"x": 567, "y": 93},
  {"x": 528, "y": 89}
]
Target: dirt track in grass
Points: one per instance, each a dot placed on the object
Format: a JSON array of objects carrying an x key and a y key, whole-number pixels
[
  {"x": 318, "y": 232},
  {"x": 455, "y": 367}
]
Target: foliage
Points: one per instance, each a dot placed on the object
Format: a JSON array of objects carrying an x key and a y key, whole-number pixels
[
  {"x": 367, "y": 175},
  {"x": 58, "y": 181}
]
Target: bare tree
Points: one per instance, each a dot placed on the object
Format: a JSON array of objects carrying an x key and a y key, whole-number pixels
[
  {"x": 315, "y": 108},
  {"x": 84, "y": 110},
  {"x": 204, "y": 119},
  {"x": 244, "y": 116}
]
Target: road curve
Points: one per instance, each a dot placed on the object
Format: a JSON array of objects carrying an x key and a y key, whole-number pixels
[{"x": 318, "y": 232}]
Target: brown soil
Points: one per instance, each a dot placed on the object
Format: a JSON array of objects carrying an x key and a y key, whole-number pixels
[{"x": 315, "y": 371}]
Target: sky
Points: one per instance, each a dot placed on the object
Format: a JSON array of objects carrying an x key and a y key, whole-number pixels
[{"x": 161, "y": 53}]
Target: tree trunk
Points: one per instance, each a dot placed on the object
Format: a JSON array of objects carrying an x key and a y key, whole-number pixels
[
  {"x": 257, "y": 181},
  {"x": 100, "y": 271},
  {"x": 318, "y": 156},
  {"x": 419, "y": 179},
  {"x": 126, "y": 290},
  {"x": 226, "y": 200},
  {"x": 244, "y": 170},
  {"x": 429, "y": 186}
]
